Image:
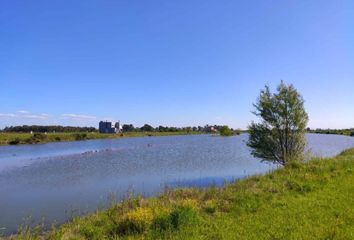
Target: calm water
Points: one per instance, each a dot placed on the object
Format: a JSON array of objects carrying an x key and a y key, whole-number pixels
[{"x": 55, "y": 181}]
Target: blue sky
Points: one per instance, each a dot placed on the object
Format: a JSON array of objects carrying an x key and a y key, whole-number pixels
[{"x": 179, "y": 63}]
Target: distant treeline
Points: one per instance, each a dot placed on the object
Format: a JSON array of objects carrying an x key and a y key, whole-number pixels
[
  {"x": 44, "y": 129},
  {"x": 149, "y": 128},
  {"x": 125, "y": 128},
  {"x": 349, "y": 131}
]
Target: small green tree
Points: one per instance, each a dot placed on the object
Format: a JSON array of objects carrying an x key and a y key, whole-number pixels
[
  {"x": 147, "y": 128},
  {"x": 280, "y": 136},
  {"x": 225, "y": 131}
]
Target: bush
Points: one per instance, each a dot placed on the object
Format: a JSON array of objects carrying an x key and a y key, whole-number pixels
[
  {"x": 14, "y": 141},
  {"x": 162, "y": 222},
  {"x": 226, "y": 131},
  {"x": 80, "y": 136},
  {"x": 294, "y": 164},
  {"x": 183, "y": 216},
  {"x": 136, "y": 221},
  {"x": 299, "y": 186},
  {"x": 36, "y": 138},
  {"x": 209, "y": 206}
]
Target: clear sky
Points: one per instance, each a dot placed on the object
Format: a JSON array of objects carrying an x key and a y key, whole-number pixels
[{"x": 185, "y": 62}]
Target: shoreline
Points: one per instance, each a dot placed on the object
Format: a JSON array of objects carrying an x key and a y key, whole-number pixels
[
  {"x": 14, "y": 139},
  {"x": 308, "y": 192}
]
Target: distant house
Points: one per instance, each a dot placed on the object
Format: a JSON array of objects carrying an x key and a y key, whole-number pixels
[{"x": 108, "y": 127}]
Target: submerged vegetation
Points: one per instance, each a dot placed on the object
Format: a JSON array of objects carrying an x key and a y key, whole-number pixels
[{"x": 311, "y": 200}]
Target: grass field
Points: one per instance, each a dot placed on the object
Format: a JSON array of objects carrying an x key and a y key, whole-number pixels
[
  {"x": 313, "y": 200},
  {"x": 27, "y": 138}
]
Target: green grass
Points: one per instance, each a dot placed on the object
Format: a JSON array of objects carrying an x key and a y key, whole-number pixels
[
  {"x": 312, "y": 200},
  {"x": 348, "y": 132},
  {"x": 27, "y": 138}
]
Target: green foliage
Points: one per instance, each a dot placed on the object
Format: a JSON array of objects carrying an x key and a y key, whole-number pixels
[
  {"x": 128, "y": 128},
  {"x": 280, "y": 136},
  {"x": 226, "y": 131},
  {"x": 147, "y": 128},
  {"x": 210, "y": 206},
  {"x": 183, "y": 216},
  {"x": 348, "y": 132},
  {"x": 162, "y": 222},
  {"x": 80, "y": 136},
  {"x": 36, "y": 138},
  {"x": 47, "y": 129},
  {"x": 136, "y": 221},
  {"x": 27, "y": 138},
  {"x": 44, "y": 134},
  {"x": 14, "y": 141}
]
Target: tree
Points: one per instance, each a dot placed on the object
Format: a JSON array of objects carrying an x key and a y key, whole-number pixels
[
  {"x": 162, "y": 129},
  {"x": 128, "y": 128},
  {"x": 147, "y": 128},
  {"x": 280, "y": 136},
  {"x": 225, "y": 131}
]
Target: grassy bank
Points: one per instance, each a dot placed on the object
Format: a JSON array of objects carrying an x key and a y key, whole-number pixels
[
  {"x": 36, "y": 138},
  {"x": 313, "y": 200},
  {"x": 347, "y": 132}
]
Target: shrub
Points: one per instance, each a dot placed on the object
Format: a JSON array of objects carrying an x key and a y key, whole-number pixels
[
  {"x": 39, "y": 136},
  {"x": 300, "y": 187},
  {"x": 36, "y": 138},
  {"x": 209, "y": 206},
  {"x": 80, "y": 136},
  {"x": 183, "y": 216},
  {"x": 14, "y": 141},
  {"x": 226, "y": 131},
  {"x": 188, "y": 203},
  {"x": 136, "y": 221},
  {"x": 162, "y": 222},
  {"x": 293, "y": 164}
]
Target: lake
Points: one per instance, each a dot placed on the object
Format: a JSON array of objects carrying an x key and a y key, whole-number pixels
[{"x": 55, "y": 181}]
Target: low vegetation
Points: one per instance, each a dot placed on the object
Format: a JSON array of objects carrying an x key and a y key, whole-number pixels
[
  {"x": 14, "y": 136},
  {"x": 35, "y": 138},
  {"x": 348, "y": 132},
  {"x": 312, "y": 200},
  {"x": 42, "y": 134},
  {"x": 47, "y": 128},
  {"x": 226, "y": 131}
]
